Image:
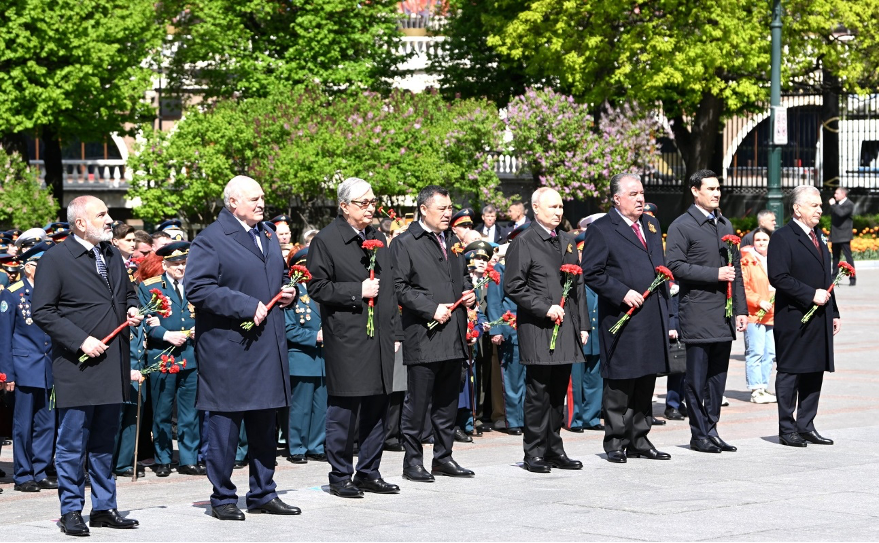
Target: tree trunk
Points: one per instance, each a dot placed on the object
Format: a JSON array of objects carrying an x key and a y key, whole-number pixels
[
  {"x": 54, "y": 169},
  {"x": 830, "y": 129},
  {"x": 15, "y": 143},
  {"x": 698, "y": 142}
]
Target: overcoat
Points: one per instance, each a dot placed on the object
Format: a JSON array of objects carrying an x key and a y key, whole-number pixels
[
  {"x": 25, "y": 350},
  {"x": 303, "y": 321},
  {"x": 73, "y": 303},
  {"x": 614, "y": 262},
  {"x": 226, "y": 278},
  {"x": 357, "y": 365},
  {"x": 532, "y": 279},
  {"x": 796, "y": 270},
  {"x": 423, "y": 279}
]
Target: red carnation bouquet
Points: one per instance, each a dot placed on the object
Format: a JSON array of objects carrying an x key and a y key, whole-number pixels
[
  {"x": 2, "y": 377},
  {"x": 507, "y": 318},
  {"x": 571, "y": 271},
  {"x": 490, "y": 275},
  {"x": 298, "y": 274},
  {"x": 472, "y": 331},
  {"x": 159, "y": 303},
  {"x": 166, "y": 365},
  {"x": 732, "y": 242},
  {"x": 371, "y": 246},
  {"x": 663, "y": 274},
  {"x": 390, "y": 213},
  {"x": 845, "y": 270}
]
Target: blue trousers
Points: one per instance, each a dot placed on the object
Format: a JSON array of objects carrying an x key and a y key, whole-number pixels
[
  {"x": 164, "y": 387},
  {"x": 675, "y": 390},
  {"x": 87, "y": 432},
  {"x": 307, "y": 420},
  {"x": 586, "y": 387},
  {"x": 223, "y": 433},
  {"x": 514, "y": 384},
  {"x": 33, "y": 433}
]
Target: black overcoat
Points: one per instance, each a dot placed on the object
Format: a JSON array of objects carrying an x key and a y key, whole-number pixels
[
  {"x": 423, "y": 279},
  {"x": 694, "y": 251},
  {"x": 226, "y": 278},
  {"x": 796, "y": 270},
  {"x": 614, "y": 262},
  {"x": 72, "y": 303},
  {"x": 357, "y": 365},
  {"x": 533, "y": 280}
]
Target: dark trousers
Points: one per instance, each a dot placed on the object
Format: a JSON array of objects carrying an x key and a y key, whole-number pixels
[
  {"x": 307, "y": 416},
  {"x": 676, "y": 391},
  {"x": 846, "y": 248},
  {"x": 86, "y": 433},
  {"x": 482, "y": 377},
  {"x": 393, "y": 433},
  {"x": 123, "y": 458},
  {"x": 164, "y": 388},
  {"x": 33, "y": 434},
  {"x": 545, "y": 391},
  {"x": 800, "y": 391},
  {"x": 431, "y": 386},
  {"x": 513, "y": 374},
  {"x": 707, "y": 365},
  {"x": 342, "y": 412},
  {"x": 223, "y": 432},
  {"x": 628, "y": 407}
]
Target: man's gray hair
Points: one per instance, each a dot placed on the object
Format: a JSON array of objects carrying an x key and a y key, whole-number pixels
[
  {"x": 233, "y": 189},
  {"x": 763, "y": 213},
  {"x": 489, "y": 209},
  {"x": 537, "y": 194},
  {"x": 800, "y": 192},
  {"x": 617, "y": 179},
  {"x": 76, "y": 209},
  {"x": 348, "y": 186}
]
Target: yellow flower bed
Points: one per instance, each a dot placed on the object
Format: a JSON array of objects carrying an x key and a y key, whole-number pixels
[{"x": 865, "y": 245}]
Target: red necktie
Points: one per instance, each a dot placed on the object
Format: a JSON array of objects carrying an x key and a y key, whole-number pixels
[
  {"x": 442, "y": 244},
  {"x": 815, "y": 243},
  {"x": 638, "y": 233}
]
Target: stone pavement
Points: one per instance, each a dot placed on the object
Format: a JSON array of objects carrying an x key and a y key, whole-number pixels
[{"x": 762, "y": 492}]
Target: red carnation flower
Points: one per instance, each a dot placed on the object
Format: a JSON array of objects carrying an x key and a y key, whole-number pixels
[
  {"x": 573, "y": 269},
  {"x": 372, "y": 244}
]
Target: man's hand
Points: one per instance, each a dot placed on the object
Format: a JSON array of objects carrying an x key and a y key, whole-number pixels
[
  {"x": 633, "y": 299},
  {"x": 320, "y": 335},
  {"x": 442, "y": 313},
  {"x": 397, "y": 345},
  {"x": 153, "y": 321},
  {"x": 766, "y": 305},
  {"x": 584, "y": 337},
  {"x": 741, "y": 322},
  {"x": 288, "y": 296},
  {"x": 260, "y": 314},
  {"x": 175, "y": 338},
  {"x": 837, "y": 326},
  {"x": 469, "y": 297},
  {"x": 556, "y": 314},
  {"x": 726, "y": 273},
  {"x": 137, "y": 376},
  {"x": 10, "y": 386},
  {"x": 472, "y": 341},
  {"x": 192, "y": 333},
  {"x": 672, "y": 334},
  {"x": 369, "y": 288},
  {"x": 497, "y": 339},
  {"x": 821, "y": 297},
  {"x": 134, "y": 316},
  {"x": 832, "y": 201},
  {"x": 92, "y": 347}
]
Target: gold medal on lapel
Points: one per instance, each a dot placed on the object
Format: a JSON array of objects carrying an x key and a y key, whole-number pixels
[
  {"x": 305, "y": 299},
  {"x": 570, "y": 248},
  {"x": 191, "y": 309},
  {"x": 651, "y": 228}
]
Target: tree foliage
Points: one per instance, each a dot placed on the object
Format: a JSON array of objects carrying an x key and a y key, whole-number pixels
[{"x": 23, "y": 203}]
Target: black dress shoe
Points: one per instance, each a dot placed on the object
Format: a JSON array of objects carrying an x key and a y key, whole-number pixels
[
  {"x": 47, "y": 484},
  {"x": 239, "y": 464},
  {"x": 650, "y": 454},
  {"x": 536, "y": 464},
  {"x": 318, "y": 457},
  {"x": 2, "y": 473},
  {"x": 297, "y": 459},
  {"x": 461, "y": 437},
  {"x": 394, "y": 447},
  {"x": 595, "y": 428},
  {"x": 724, "y": 446},
  {"x": 563, "y": 462},
  {"x": 141, "y": 472},
  {"x": 657, "y": 422},
  {"x": 450, "y": 469},
  {"x": 110, "y": 518},
  {"x": 162, "y": 470},
  {"x": 514, "y": 431},
  {"x": 815, "y": 437},
  {"x": 704, "y": 445},
  {"x": 72, "y": 524},
  {"x": 617, "y": 457},
  {"x": 227, "y": 511},
  {"x": 417, "y": 474},
  {"x": 376, "y": 486},
  {"x": 576, "y": 429},
  {"x": 27, "y": 486},
  {"x": 673, "y": 414},
  {"x": 275, "y": 507},
  {"x": 792, "y": 440},
  {"x": 346, "y": 489},
  {"x": 192, "y": 469}
]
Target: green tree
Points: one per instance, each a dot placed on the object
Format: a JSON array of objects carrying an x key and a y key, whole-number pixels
[
  {"x": 247, "y": 48},
  {"x": 73, "y": 69},
  {"x": 23, "y": 202}
]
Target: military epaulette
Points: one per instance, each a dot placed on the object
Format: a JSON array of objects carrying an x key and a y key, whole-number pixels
[
  {"x": 152, "y": 280},
  {"x": 15, "y": 286}
]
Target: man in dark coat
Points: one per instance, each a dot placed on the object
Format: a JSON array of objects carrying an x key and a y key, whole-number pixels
[
  {"x": 341, "y": 285},
  {"x": 841, "y": 210},
  {"x": 429, "y": 278},
  {"x": 620, "y": 255},
  {"x": 235, "y": 268},
  {"x": 534, "y": 281},
  {"x": 84, "y": 295},
  {"x": 699, "y": 260},
  {"x": 800, "y": 269}
]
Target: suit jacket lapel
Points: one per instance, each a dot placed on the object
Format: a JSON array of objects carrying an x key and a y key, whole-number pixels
[
  {"x": 626, "y": 231},
  {"x": 807, "y": 243}
]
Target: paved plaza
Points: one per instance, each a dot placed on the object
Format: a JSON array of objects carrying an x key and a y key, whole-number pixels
[{"x": 763, "y": 492}]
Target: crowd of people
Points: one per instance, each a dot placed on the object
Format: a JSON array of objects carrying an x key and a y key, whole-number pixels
[{"x": 396, "y": 333}]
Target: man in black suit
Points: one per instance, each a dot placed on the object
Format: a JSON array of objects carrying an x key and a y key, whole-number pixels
[
  {"x": 429, "y": 279},
  {"x": 84, "y": 295},
  {"x": 841, "y": 210},
  {"x": 489, "y": 228},
  {"x": 800, "y": 269},
  {"x": 534, "y": 281},
  {"x": 698, "y": 258},
  {"x": 620, "y": 255}
]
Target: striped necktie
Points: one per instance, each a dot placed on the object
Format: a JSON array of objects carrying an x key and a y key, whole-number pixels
[{"x": 102, "y": 268}]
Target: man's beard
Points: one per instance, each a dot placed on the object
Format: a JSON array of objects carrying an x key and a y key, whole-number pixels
[{"x": 98, "y": 234}]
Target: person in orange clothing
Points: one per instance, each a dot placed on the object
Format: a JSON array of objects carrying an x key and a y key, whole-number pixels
[{"x": 759, "y": 340}]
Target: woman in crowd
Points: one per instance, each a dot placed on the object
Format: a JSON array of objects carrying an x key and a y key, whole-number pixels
[{"x": 759, "y": 341}]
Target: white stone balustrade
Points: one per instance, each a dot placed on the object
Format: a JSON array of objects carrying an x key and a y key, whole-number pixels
[{"x": 110, "y": 173}]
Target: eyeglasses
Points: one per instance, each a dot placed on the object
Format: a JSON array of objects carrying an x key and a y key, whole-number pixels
[{"x": 365, "y": 203}]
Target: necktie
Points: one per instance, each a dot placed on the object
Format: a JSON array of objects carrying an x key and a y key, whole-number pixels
[
  {"x": 362, "y": 235},
  {"x": 442, "y": 243},
  {"x": 177, "y": 290},
  {"x": 815, "y": 243},
  {"x": 102, "y": 268},
  {"x": 254, "y": 235},
  {"x": 638, "y": 233}
]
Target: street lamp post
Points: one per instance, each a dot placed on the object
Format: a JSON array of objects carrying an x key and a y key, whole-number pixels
[{"x": 774, "y": 178}]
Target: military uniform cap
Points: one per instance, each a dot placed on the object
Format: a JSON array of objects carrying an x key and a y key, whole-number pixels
[
  {"x": 650, "y": 208},
  {"x": 580, "y": 239},
  {"x": 270, "y": 225},
  {"x": 169, "y": 224},
  {"x": 35, "y": 252},
  {"x": 30, "y": 237},
  {"x": 586, "y": 221},
  {"x": 174, "y": 252},
  {"x": 61, "y": 231},
  {"x": 14, "y": 233},
  {"x": 53, "y": 226},
  {"x": 518, "y": 230},
  {"x": 281, "y": 219},
  {"x": 463, "y": 217},
  {"x": 479, "y": 249},
  {"x": 299, "y": 256}
]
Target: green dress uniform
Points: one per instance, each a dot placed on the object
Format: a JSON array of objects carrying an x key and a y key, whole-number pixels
[{"x": 123, "y": 458}]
